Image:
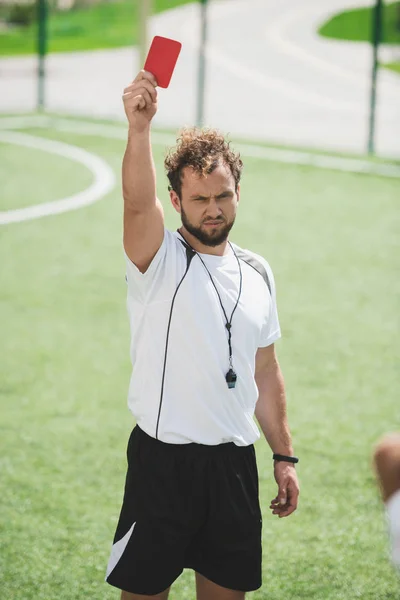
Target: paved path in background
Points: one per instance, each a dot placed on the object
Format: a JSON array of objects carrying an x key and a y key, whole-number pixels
[{"x": 269, "y": 76}]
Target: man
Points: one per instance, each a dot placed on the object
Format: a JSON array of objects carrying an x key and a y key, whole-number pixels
[
  {"x": 203, "y": 323},
  {"x": 386, "y": 458}
]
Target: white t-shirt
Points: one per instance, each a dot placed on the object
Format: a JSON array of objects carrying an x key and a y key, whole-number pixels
[
  {"x": 185, "y": 397},
  {"x": 393, "y": 516}
]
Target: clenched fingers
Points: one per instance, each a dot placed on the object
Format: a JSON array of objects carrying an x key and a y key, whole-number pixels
[
  {"x": 142, "y": 85},
  {"x": 140, "y": 93},
  {"x": 282, "y": 510},
  {"x": 143, "y": 75},
  {"x": 290, "y": 505},
  {"x": 137, "y": 103}
]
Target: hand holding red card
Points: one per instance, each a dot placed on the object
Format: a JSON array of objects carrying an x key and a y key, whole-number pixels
[{"x": 161, "y": 59}]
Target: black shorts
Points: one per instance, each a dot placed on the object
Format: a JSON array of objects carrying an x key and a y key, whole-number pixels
[{"x": 187, "y": 506}]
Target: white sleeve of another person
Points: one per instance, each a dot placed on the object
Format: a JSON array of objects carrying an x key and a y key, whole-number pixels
[{"x": 393, "y": 515}]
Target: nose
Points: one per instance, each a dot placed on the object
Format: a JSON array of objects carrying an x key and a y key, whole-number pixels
[{"x": 213, "y": 212}]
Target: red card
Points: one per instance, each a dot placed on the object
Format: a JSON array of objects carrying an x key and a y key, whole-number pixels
[{"x": 161, "y": 59}]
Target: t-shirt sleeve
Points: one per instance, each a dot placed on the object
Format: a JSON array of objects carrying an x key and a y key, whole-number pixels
[
  {"x": 271, "y": 330},
  {"x": 140, "y": 284}
]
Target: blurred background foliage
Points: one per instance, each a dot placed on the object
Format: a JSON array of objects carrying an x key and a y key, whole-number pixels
[{"x": 74, "y": 24}]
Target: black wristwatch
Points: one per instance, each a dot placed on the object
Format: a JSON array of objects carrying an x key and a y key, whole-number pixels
[{"x": 282, "y": 457}]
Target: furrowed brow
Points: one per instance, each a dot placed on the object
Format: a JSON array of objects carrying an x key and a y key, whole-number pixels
[{"x": 226, "y": 193}]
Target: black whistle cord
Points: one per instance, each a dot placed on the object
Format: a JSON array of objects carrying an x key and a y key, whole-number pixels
[{"x": 228, "y": 324}]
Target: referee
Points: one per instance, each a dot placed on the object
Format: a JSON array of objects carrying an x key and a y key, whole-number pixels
[{"x": 203, "y": 322}]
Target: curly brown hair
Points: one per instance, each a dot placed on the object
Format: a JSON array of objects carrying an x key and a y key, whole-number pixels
[{"x": 203, "y": 150}]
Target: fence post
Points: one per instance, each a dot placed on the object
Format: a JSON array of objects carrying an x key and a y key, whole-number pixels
[
  {"x": 202, "y": 65},
  {"x": 376, "y": 39},
  {"x": 41, "y": 49}
]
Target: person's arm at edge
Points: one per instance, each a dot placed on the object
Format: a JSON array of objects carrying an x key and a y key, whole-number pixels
[{"x": 271, "y": 415}]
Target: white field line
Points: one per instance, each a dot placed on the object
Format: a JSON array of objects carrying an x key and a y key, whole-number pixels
[
  {"x": 322, "y": 161},
  {"x": 268, "y": 82},
  {"x": 19, "y": 122},
  {"x": 276, "y": 33},
  {"x": 246, "y": 73},
  {"x": 279, "y": 37},
  {"x": 104, "y": 178},
  {"x": 280, "y": 155}
]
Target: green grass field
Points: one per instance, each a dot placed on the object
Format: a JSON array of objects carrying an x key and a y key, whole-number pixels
[
  {"x": 331, "y": 239},
  {"x": 103, "y": 25}
]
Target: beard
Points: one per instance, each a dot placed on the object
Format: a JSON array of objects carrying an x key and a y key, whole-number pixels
[{"x": 213, "y": 237}]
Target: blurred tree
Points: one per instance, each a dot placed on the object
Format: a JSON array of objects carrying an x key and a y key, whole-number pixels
[{"x": 22, "y": 14}]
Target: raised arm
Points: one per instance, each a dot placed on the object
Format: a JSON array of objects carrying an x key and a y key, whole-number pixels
[{"x": 143, "y": 212}]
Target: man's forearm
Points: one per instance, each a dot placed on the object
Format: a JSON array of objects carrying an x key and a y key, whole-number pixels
[
  {"x": 271, "y": 410},
  {"x": 138, "y": 171}
]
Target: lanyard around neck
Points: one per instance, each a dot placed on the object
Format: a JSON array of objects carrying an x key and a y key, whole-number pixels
[
  {"x": 231, "y": 375},
  {"x": 228, "y": 323}
]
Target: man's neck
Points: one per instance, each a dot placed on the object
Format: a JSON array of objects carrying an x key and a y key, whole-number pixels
[{"x": 220, "y": 250}]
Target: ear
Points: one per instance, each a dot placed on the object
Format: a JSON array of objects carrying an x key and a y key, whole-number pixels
[
  {"x": 176, "y": 203},
  {"x": 238, "y": 192}
]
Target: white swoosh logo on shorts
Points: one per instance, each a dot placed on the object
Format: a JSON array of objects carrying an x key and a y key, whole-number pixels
[{"x": 117, "y": 551}]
